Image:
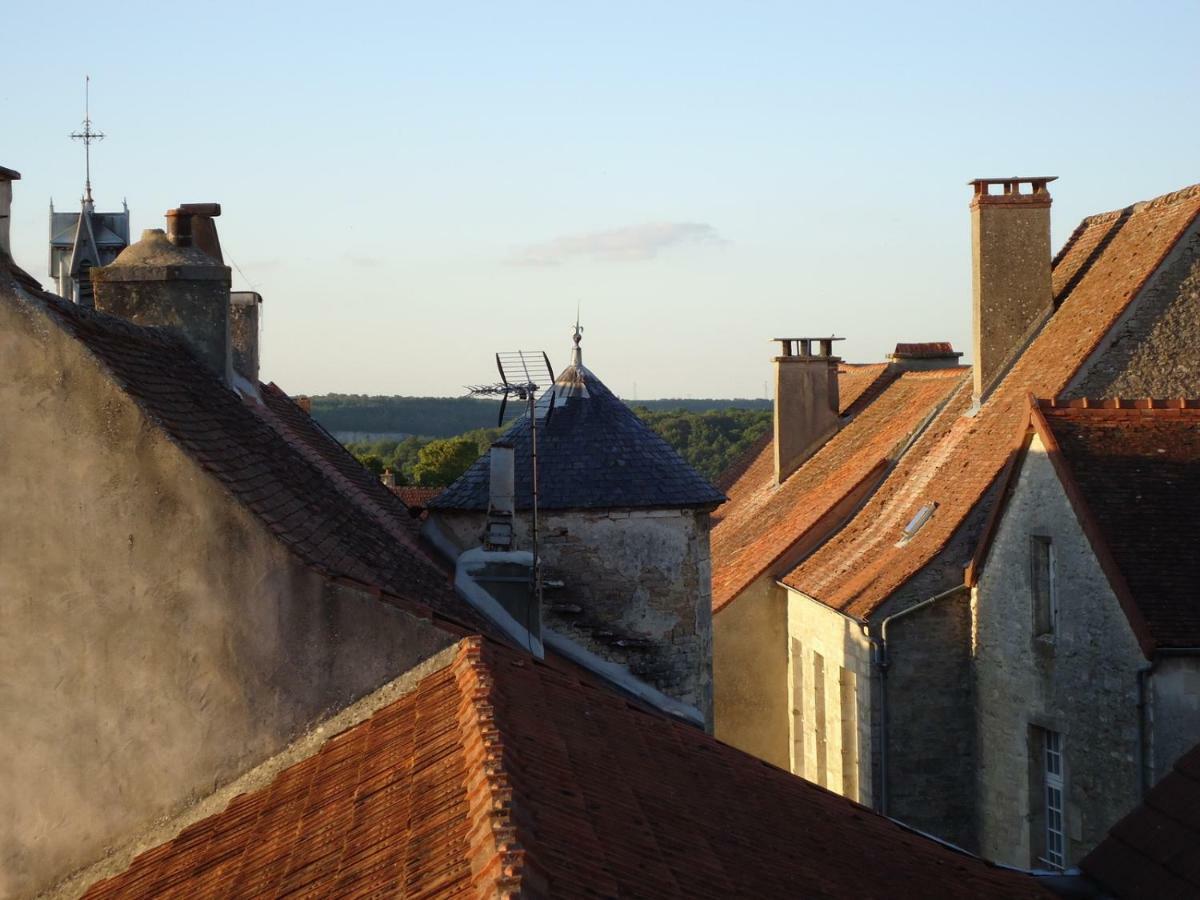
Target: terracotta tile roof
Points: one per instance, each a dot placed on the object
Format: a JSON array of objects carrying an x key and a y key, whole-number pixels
[
  {"x": 860, "y": 383},
  {"x": 763, "y": 520},
  {"x": 258, "y": 460},
  {"x": 1134, "y": 474},
  {"x": 1096, "y": 276},
  {"x": 501, "y": 774},
  {"x": 1152, "y": 852},
  {"x": 928, "y": 350},
  {"x": 416, "y": 497},
  {"x": 593, "y": 453}
]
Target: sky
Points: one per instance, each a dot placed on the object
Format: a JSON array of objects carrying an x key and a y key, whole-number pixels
[{"x": 413, "y": 187}]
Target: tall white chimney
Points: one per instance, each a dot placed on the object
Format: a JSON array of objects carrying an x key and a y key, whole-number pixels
[{"x": 7, "y": 177}]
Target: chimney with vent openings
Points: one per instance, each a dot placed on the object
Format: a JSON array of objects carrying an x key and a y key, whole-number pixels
[
  {"x": 806, "y": 400},
  {"x": 1010, "y": 254},
  {"x": 176, "y": 283},
  {"x": 7, "y": 177}
]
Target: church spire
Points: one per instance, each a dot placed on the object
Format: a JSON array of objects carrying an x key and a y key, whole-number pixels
[
  {"x": 87, "y": 135},
  {"x": 576, "y": 353}
]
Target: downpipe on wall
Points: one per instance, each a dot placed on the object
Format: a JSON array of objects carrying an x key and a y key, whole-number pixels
[{"x": 882, "y": 661}]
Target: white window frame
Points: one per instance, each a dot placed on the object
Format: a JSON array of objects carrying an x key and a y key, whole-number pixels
[{"x": 1054, "y": 798}]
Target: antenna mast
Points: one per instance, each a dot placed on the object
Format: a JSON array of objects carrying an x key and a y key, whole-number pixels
[
  {"x": 87, "y": 135},
  {"x": 518, "y": 370}
]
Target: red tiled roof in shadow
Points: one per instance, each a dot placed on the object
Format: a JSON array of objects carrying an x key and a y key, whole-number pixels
[
  {"x": 1099, "y": 272},
  {"x": 1131, "y": 469},
  {"x": 1152, "y": 852},
  {"x": 763, "y": 521},
  {"x": 501, "y": 774},
  {"x": 262, "y": 465}
]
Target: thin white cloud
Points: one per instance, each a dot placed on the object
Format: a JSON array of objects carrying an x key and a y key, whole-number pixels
[{"x": 630, "y": 244}]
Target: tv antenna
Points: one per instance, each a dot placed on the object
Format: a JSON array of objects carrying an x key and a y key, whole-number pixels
[
  {"x": 88, "y": 136},
  {"x": 521, "y": 376}
]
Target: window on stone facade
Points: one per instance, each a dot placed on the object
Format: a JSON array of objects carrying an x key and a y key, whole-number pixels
[
  {"x": 848, "y": 686},
  {"x": 798, "y": 699},
  {"x": 1045, "y": 604},
  {"x": 1050, "y": 801},
  {"x": 822, "y": 773}
]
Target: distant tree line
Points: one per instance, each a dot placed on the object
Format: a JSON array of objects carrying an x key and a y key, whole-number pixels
[
  {"x": 451, "y": 416},
  {"x": 709, "y": 440}
]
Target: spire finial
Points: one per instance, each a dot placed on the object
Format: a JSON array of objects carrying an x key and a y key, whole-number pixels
[
  {"x": 576, "y": 353},
  {"x": 87, "y": 136}
]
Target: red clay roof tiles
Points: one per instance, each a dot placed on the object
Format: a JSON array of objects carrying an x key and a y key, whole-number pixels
[
  {"x": 762, "y": 520},
  {"x": 501, "y": 773},
  {"x": 1096, "y": 276},
  {"x": 1137, "y": 471},
  {"x": 1152, "y": 852}
]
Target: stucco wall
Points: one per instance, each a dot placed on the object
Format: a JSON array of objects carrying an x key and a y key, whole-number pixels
[
  {"x": 751, "y": 707},
  {"x": 1083, "y": 683},
  {"x": 844, "y": 728},
  {"x": 637, "y": 589},
  {"x": 156, "y": 640}
]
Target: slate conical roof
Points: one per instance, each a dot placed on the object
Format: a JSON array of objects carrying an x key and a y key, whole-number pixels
[{"x": 593, "y": 453}]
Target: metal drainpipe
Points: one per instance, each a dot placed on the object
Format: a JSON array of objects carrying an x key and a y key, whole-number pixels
[
  {"x": 882, "y": 662},
  {"x": 1144, "y": 674}
]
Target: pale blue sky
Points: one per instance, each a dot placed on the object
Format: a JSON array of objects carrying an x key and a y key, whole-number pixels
[{"x": 414, "y": 186}]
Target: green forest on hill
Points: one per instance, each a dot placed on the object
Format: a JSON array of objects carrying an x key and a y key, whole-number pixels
[{"x": 709, "y": 440}]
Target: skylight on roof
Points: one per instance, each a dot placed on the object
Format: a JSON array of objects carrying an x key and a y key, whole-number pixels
[{"x": 915, "y": 524}]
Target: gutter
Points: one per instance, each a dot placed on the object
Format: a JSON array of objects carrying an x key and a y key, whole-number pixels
[
  {"x": 882, "y": 661},
  {"x": 1145, "y": 712}
]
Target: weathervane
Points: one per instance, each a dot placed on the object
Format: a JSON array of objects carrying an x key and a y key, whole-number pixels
[{"x": 87, "y": 135}]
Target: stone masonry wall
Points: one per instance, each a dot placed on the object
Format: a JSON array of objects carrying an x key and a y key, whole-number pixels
[
  {"x": 637, "y": 589},
  {"x": 1154, "y": 351},
  {"x": 1081, "y": 683},
  {"x": 830, "y": 699}
]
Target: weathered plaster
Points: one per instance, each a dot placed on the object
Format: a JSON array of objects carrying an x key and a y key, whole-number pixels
[
  {"x": 637, "y": 589},
  {"x": 751, "y": 709},
  {"x": 157, "y": 639}
]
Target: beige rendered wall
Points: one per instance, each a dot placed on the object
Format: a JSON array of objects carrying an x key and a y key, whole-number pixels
[
  {"x": 829, "y": 698},
  {"x": 1083, "y": 683},
  {"x": 750, "y": 673},
  {"x": 156, "y": 640}
]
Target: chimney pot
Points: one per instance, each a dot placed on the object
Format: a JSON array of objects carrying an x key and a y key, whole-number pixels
[
  {"x": 1011, "y": 288},
  {"x": 155, "y": 282},
  {"x": 806, "y": 401}
]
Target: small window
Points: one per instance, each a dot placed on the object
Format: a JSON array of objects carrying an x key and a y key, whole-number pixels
[
  {"x": 1052, "y": 801},
  {"x": 923, "y": 515},
  {"x": 1045, "y": 604}
]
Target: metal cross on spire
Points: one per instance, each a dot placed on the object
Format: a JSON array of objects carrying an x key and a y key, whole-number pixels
[{"x": 87, "y": 136}]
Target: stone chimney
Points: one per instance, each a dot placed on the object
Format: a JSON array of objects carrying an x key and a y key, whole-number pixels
[
  {"x": 806, "y": 400},
  {"x": 157, "y": 282},
  {"x": 1010, "y": 254},
  {"x": 243, "y": 333},
  {"x": 7, "y": 177}
]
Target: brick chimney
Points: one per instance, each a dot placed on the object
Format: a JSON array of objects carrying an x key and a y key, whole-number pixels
[
  {"x": 7, "y": 177},
  {"x": 806, "y": 400},
  {"x": 1010, "y": 254},
  {"x": 924, "y": 356},
  {"x": 158, "y": 282}
]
